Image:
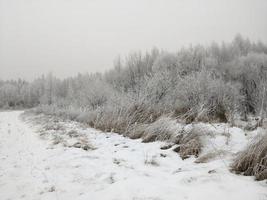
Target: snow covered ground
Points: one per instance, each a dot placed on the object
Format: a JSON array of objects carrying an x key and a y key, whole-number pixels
[{"x": 119, "y": 168}]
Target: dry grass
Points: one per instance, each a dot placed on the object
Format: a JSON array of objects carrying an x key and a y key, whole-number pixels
[
  {"x": 53, "y": 126},
  {"x": 120, "y": 120},
  {"x": 191, "y": 148},
  {"x": 141, "y": 121},
  {"x": 253, "y": 160},
  {"x": 163, "y": 129},
  {"x": 189, "y": 144},
  {"x": 210, "y": 156},
  {"x": 137, "y": 131}
]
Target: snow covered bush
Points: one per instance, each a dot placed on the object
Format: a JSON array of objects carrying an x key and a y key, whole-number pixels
[
  {"x": 94, "y": 93},
  {"x": 203, "y": 96},
  {"x": 8, "y": 95},
  {"x": 253, "y": 160}
]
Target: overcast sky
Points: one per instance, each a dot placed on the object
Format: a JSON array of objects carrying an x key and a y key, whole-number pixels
[{"x": 71, "y": 36}]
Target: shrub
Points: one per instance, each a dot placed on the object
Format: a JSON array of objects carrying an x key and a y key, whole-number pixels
[{"x": 201, "y": 96}]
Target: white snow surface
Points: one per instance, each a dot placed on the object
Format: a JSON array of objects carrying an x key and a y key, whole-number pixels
[{"x": 32, "y": 168}]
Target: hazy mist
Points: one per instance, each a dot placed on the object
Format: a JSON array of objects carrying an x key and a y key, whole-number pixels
[{"x": 71, "y": 36}]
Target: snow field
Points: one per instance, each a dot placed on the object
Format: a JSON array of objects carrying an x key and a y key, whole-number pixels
[{"x": 117, "y": 169}]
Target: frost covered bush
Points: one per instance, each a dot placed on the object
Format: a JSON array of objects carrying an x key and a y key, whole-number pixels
[
  {"x": 251, "y": 70},
  {"x": 253, "y": 160},
  {"x": 203, "y": 96},
  {"x": 93, "y": 94},
  {"x": 158, "y": 91}
]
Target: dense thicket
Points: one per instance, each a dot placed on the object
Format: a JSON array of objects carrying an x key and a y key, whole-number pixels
[{"x": 218, "y": 82}]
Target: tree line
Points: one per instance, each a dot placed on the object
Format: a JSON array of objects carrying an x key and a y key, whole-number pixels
[{"x": 217, "y": 82}]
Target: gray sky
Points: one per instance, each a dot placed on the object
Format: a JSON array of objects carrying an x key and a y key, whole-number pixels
[{"x": 71, "y": 36}]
